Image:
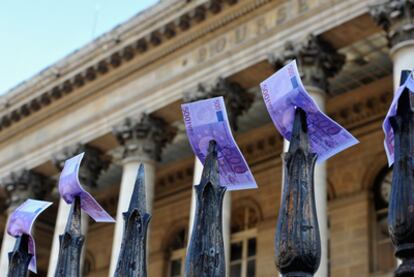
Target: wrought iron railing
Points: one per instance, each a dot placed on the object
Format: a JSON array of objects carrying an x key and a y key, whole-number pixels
[{"x": 297, "y": 238}]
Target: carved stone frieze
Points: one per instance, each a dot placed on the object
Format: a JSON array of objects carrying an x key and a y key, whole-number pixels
[
  {"x": 145, "y": 137},
  {"x": 140, "y": 45},
  {"x": 317, "y": 61},
  {"x": 24, "y": 184},
  {"x": 363, "y": 111},
  {"x": 92, "y": 164},
  {"x": 396, "y": 17},
  {"x": 237, "y": 99}
]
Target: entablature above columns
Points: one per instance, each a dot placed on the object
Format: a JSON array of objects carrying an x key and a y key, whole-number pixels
[{"x": 92, "y": 111}]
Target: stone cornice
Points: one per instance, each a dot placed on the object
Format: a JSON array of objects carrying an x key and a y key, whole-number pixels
[
  {"x": 111, "y": 50},
  {"x": 116, "y": 103}
]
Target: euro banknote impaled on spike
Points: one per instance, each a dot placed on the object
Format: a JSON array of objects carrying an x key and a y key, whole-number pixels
[
  {"x": 207, "y": 120},
  {"x": 283, "y": 92},
  {"x": 70, "y": 187},
  {"x": 386, "y": 126},
  {"x": 21, "y": 222}
]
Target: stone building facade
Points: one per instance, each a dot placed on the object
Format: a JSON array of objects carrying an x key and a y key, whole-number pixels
[{"x": 118, "y": 99}]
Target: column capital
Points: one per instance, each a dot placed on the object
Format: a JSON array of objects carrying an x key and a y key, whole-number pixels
[
  {"x": 92, "y": 164},
  {"x": 396, "y": 17},
  {"x": 143, "y": 138},
  {"x": 23, "y": 184},
  {"x": 237, "y": 99},
  {"x": 317, "y": 61}
]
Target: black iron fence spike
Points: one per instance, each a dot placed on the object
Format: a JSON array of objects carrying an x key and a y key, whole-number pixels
[
  {"x": 299, "y": 137},
  {"x": 71, "y": 243},
  {"x": 210, "y": 173},
  {"x": 20, "y": 257},
  {"x": 297, "y": 239},
  {"x": 138, "y": 197},
  {"x": 205, "y": 255},
  {"x": 401, "y": 202},
  {"x": 404, "y": 75},
  {"x": 132, "y": 260}
]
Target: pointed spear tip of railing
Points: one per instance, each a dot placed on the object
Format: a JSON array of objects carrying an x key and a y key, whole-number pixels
[
  {"x": 406, "y": 101},
  {"x": 73, "y": 226},
  {"x": 210, "y": 171},
  {"x": 138, "y": 197},
  {"x": 299, "y": 136},
  {"x": 22, "y": 244},
  {"x": 404, "y": 75}
]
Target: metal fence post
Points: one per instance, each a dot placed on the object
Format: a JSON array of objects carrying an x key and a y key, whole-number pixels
[
  {"x": 205, "y": 255},
  {"x": 71, "y": 243},
  {"x": 401, "y": 203},
  {"x": 20, "y": 257},
  {"x": 132, "y": 260},
  {"x": 297, "y": 239}
]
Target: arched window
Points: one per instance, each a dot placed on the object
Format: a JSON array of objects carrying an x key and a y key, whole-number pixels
[
  {"x": 177, "y": 248},
  {"x": 383, "y": 261},
  {"x": 243, "y": 241}
]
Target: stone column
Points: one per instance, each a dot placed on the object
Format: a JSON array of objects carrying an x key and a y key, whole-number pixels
[
  {"x": 89, "y": 172},
  {"x": 396, "y": 17},
  {"x": 237, "y": 101},
  {"x": 20, "y": 186},
  {"x": 142, "y": 141},
  {"x": 317, "y": 62}
]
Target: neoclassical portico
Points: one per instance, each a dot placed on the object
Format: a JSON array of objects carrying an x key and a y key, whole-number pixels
[{"x": 122, "y": 96}]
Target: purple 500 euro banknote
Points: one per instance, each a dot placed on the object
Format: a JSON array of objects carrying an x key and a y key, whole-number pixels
[
  {"x": 386, "y": 126},
  {"x": 21, "y": 222},
  {"x": 207, "y": 120},
  {"x": 70, "y": 187},
  {"x": 282, "y": 93}
]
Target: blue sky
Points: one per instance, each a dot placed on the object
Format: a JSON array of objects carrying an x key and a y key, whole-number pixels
[{"x": 36, "y": 33}]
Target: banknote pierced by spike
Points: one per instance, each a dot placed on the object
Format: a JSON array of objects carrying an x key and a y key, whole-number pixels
[
  {"x": 21, "y": 222},
  {"x": 207, "y": 120},
  {"x": 283, "y": 92},
  {"x": 70, "y": 187},
  {"x": 392, "y": 111}
]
